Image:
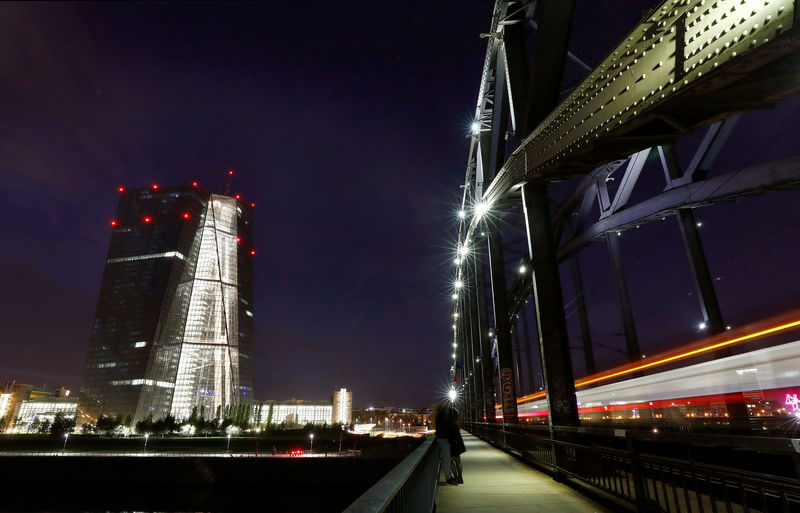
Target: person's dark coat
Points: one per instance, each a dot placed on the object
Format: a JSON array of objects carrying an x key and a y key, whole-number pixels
[{"x": 454, "y": 434}]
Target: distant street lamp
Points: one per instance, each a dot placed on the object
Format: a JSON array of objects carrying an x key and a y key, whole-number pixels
[
  {"x": 311, "y": 436},
  {"x": 229, "y": 443},
  {"x": 66, "y": 435},
  {"x": 146, "y": 436}
]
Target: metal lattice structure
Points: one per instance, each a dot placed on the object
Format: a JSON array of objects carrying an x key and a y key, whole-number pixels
[{"x": 688, "y": 65}]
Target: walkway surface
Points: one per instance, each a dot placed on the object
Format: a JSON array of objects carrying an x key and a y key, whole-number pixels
[{"x": 496, "y": 481}]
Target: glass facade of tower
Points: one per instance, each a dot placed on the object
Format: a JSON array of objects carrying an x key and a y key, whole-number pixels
[{"x": 174, "y": 319}]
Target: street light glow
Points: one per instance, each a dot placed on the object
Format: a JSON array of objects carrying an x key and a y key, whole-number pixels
[
  {"x": 462, "y": 214},
  {"x": 476, "y": 128},
  {"x": 458, "y": 284},
  {"x": 463, "y": 250},
  {"x": 455, "y": 296},
  {"x": 702, "y": 326},
  {"x": 452, "y": 394},
  {"x": 522, "y": 269},
  {"x": 481, "y": 209}
]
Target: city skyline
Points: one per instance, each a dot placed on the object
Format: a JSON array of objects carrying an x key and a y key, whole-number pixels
[{"x": 353, "y": 154}]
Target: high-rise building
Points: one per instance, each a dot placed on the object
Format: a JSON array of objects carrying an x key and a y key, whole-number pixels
[
  {"x": 173, "y": 328},
  {"x": 342, "y": 406}
]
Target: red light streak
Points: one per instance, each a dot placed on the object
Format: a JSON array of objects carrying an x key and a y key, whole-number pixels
[{"x": 702, "y": 347}]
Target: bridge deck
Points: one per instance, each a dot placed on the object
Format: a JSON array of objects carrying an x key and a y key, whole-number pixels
[{"x": 496, "y": 481}]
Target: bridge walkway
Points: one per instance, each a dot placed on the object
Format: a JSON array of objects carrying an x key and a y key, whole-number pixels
[{"x": 496, "y": 481}]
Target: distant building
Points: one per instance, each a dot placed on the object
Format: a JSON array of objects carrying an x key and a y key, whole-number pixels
[
  {"x": 14, "y": 394},
  {"x": 174, "y": 320},
  {"x": 45, "y": 409},
  {"x": 342, "y": 406},
  {"x": 292, "y": 413},
  {"x": 393, "y": 419}
]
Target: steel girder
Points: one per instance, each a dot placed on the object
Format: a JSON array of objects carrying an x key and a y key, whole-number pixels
[
  {"x": 780, "y": 174},
  {"x": 689, "y": 63}
]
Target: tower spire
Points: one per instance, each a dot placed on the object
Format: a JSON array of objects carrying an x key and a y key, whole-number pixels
[{"x": 228, "y": 184}]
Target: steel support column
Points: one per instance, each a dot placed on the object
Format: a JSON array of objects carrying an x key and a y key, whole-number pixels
[
  {"x": 628, "y": 322},
  {"x": 553, "y": 338},
  {"x": 505, "y": 353},
  {"x": 583, "y": 315},
  {"x": 487, "y": 369},
  {"x": 526, "y": 336},
  {"x": 475, "y": 345},
  {"x": 709, "y": 305}
]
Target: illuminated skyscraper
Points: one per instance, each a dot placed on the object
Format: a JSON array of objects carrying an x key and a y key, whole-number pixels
[
  {"x": 342, "y": 406},
  {"x": 173, "y": 326}
]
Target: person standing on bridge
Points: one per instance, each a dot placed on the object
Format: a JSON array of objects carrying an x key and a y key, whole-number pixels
[
  {"x": 456, "y": 445},
  {"x": 442, "y": 430}
]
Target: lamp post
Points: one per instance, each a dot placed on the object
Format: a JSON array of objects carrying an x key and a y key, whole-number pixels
[
  {"x": 66, "y": 436},
  {"x": 311, "y": 436},
  {"x": 146, "y": 436},
  {"x": 229, "y": 443}
]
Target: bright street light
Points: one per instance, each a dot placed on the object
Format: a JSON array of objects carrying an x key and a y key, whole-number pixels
[
  {"x": 462, "y": 214},
  {"x": 458, "y": 284},
  {"x": 311, "y": 436},
  {"x": 522, "y": 269},
  {"x": 476, "y": 128},
  {"x": 146, "y": 436},
  {"x": 702, "y": 325},
  {"x": 66, "y": 435},
  {"x": 481, "y": 209},
  {"x": 452, "y": 394}
]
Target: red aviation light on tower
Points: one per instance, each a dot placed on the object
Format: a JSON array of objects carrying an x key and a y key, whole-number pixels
[
  {"x": 230, "y": 172},
  {"x": 121, "y": 188},
  {"x": 238, "y": 240},
  {"x": 238, "y": 196},
  {"x": 155, "y": 186},
  {"x": 253, "y": 252},
  {"x": 113, "y": 222},
  {"x": 146, "y": 219},
  {"x": 194, "y": 184},
  {"x": 186, "y": 215},
  {"x": 253, "y": 205}
]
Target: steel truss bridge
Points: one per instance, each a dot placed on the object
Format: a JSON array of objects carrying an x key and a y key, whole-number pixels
[{"x": 689, "y": 69}]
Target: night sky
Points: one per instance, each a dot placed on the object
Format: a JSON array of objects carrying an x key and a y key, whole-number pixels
[{"x": 346, "y": 124}]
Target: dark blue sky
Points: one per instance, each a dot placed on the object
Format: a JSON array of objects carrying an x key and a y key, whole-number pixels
[{"x": 345, "y": 123}]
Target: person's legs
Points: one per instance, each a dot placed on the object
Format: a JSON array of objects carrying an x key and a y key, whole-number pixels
[
  {"x": 444, "y": 448},
  {"x": 459, "y": 469}
]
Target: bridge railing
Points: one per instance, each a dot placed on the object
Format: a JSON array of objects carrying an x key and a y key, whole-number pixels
[
  {"x": 411, "y": 486},
  {"x": 648, "y": 483}
]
